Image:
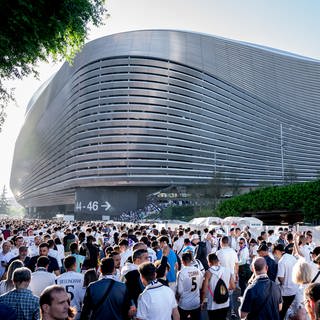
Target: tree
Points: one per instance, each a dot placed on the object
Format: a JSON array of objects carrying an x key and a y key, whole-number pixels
[
  {"x": 217, "y": 186},
  {"x": 290, "y": 175},
  {"x": 33, "y": 31},
  {"x": 4, "y": 205},
  {"x": 235, "y": 186}
]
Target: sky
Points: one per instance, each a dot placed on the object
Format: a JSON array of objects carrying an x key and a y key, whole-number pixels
[{"x": 290, "y": 25}]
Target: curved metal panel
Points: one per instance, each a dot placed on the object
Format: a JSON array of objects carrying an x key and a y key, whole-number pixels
[{"x": 153, "y": 108}]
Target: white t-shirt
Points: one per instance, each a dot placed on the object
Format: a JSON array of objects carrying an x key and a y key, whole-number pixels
[
  {"x": 156, "y": 302},
  {"x": 54, "y": 254},
  {"x": 152, "y": 255},
  {"x": 72, "y": 282},
  {"x": 228, "y": 258},
  {"x": 285, "y": 266},
  {"x": 33, "y": 251},
  {"x": 189, "y": 282},
  {"x": 198, "y": 264},
  {"x": 178, "y": 245},
  {"x": 124, "y": 256},
  {"x": 306, "y": 253},
  {"x": 243, "y": 255},
  {"x": 41, "y": 279},
  {"x": 216, "y": 273},
  {"x": 273, "y": 239},
  {"x": 29, "y": 241},
  {"x": 60, "y": 249}
]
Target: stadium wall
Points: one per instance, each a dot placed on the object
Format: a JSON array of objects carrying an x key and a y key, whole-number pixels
[{"x": 153, "y": 108}]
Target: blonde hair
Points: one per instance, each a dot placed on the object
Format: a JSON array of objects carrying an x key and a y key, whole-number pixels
[{"x": 302, "y": 272}]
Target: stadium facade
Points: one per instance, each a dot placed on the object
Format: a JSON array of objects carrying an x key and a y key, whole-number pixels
[{"x": 139, "y": 111}]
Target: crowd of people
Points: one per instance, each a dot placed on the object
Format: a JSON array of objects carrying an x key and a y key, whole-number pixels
[{"x": 95, "y": 270}]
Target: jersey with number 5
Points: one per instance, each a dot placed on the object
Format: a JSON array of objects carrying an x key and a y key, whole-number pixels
[
  {"x": 189, "y": 283},
  {"x": 72, "y": 282}
]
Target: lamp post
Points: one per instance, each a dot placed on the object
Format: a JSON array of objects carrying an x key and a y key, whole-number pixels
[{"x": 282, "y": 153}]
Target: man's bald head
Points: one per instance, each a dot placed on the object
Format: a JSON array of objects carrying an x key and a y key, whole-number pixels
[{"x": 260, "y": 265}]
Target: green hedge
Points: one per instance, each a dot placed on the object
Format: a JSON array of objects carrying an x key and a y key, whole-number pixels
[{"x": 304, "y": 197}]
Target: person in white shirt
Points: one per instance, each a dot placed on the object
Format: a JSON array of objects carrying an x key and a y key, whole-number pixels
[
  {"x": 285, "y": 268},
  {"x": 272, "y": 238},
  {"x": 157, "y": 301},
  {"x": 54, "y": 253},
  {"x": 41, "y": 278},
  {"x": 117, "y": 260},
  {"x": 33, "y": 250},
  {"x": 5, "y": 257},
  {"x": 311, "y": 245},
  {"x": 189, "y": 283},
  {"x": 72, "y": 281},
  {"x": 212, "y": 275},
  {"x": 228, "y": 258},
  {"x": 60, "y": 249},
  {"x": 126, "y": 252},
  {"x": 179, "y": 244},
  {"x": 232, "y": 239},
  {"x": 301, "y": 248},
  {"x": 151, "y": 252},
  {"x": 19, "y": 242}
]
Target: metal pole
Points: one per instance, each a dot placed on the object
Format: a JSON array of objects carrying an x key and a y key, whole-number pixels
[
  {"x": 215, "y": 162},
  {"x": 282, "y": 153}
]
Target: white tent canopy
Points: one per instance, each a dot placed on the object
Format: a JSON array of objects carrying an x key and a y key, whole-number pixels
[
  {"x": 205, "y": 222},
  {"x": 252, "y": 222}
]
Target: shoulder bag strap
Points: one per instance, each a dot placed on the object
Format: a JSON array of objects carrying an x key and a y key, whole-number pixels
[
  {"x": 265, "y": 300},
  {"x": 180, "y": 249},
  {"x": 316, "y": 277},
  {"x": 105, "y": 296}
]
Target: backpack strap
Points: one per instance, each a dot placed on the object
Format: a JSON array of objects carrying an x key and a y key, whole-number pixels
[
  {"x": 216, "y": 283},
  {"x": 316, "y": 277}
]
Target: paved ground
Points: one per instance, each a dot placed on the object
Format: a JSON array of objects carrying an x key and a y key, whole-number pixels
[{"x": 236, "y": 295}]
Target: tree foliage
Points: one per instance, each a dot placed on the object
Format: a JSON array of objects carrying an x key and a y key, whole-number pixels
[
  {"x": 34, "y": 30},
  {"x": 4, "y": 204},
  {"x": 303, "y": 197}
]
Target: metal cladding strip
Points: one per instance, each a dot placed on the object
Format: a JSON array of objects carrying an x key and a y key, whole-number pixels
[{"x": 160, "y": 107}]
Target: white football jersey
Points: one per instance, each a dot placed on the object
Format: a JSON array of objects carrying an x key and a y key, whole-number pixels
[
  {"x": 72, "y": 282},
  {"x": 189, "y": 283}
]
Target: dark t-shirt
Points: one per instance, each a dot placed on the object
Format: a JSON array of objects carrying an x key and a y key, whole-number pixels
[
  {"x": 272, "y": 268},
  {"x": 289, "y": 248},
  {"x": 261, "y": 300},
  {"x": 114, "y": 307},
  {"x": 53, "y": 264},
  {"x": 91, "y": 260},
  {"x": 25, "y": 262}
]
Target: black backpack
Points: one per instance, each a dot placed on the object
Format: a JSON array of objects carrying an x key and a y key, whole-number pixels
[{"x": 220, "y": 293}]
